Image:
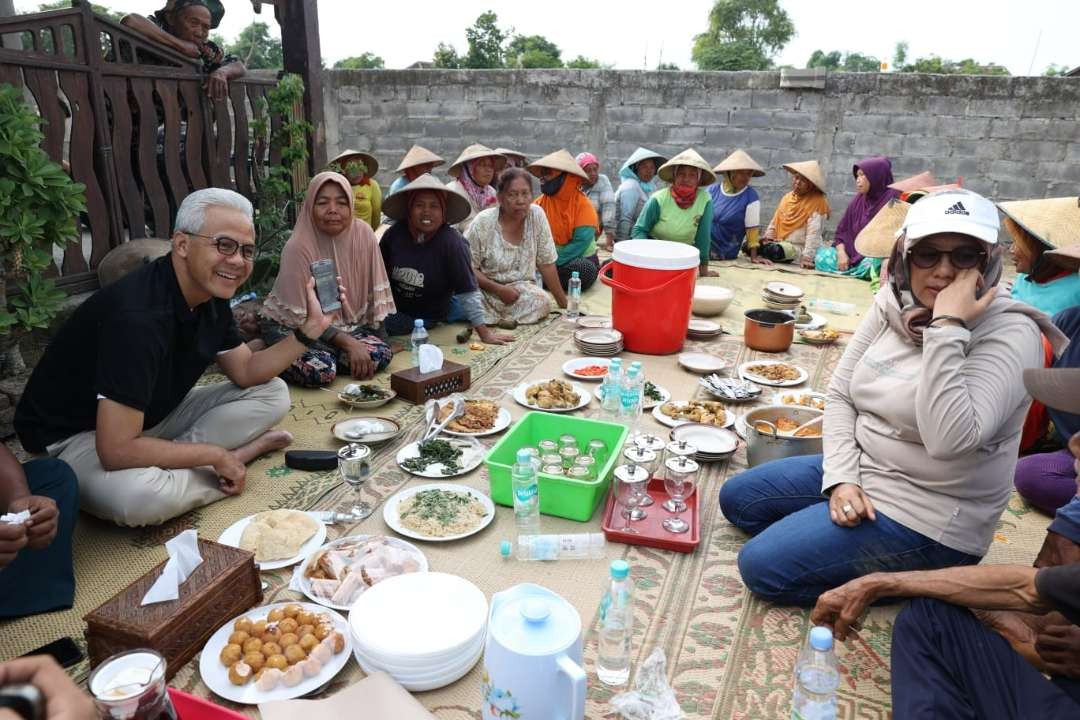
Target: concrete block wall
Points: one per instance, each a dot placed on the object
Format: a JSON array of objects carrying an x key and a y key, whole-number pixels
[{"x": 1006, "y": 137}]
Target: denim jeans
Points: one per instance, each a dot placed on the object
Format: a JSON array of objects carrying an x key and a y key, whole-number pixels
[{"x": 798, "y": 552}]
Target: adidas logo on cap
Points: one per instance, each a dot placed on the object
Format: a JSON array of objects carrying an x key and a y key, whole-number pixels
[{"x": 957, "y": 209}]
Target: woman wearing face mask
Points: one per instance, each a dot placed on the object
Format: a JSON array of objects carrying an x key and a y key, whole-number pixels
[
  {"x": 1037, "y": 226},
  {"x": 474, "y": 173},
  {"x": 326, "y": 229},
  {"x": 736, "y": 208},
  {"x": 682, "y": 212},
  {"x": 509, "y": 244},
  {"x": 795, "y": 230},
  {"x": 570, "y": 215},
  {"x": 639, "y": 179},
  {"x": 428, "y": 263},
  {"x": 872, "y": 179},
  {"x": 921, "y": 427}
]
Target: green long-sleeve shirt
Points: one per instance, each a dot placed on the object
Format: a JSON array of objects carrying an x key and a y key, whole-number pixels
[{"x": 662, "y": 219}]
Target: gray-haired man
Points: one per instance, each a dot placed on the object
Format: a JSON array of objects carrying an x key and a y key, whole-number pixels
[{"x": 114, "y": 395}]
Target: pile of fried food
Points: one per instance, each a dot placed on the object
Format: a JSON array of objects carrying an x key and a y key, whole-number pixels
[
  {"x": 811, "y": 401},
  {"x": 708, "y": 412},
  {"x": 552, "y": 394},
  {"x": 287, "y": 646},
  {"x": 277, "y": 534},
  {"x": 826, "y": 335},
  {"x": 350, "y": 566},
  {"x": 777, "y": 372},
  {"x": 480, "y": 416}
]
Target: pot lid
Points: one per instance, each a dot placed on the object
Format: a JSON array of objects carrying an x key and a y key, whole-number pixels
[
  {"x": 656, "y": 254},
  {"x": 534, "y": 621}
]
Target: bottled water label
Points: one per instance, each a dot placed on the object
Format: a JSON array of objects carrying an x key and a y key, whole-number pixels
[{"x": 527, "y": 493}]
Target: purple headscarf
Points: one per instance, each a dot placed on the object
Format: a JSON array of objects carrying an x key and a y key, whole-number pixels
[{"x": 878, "y": 170}]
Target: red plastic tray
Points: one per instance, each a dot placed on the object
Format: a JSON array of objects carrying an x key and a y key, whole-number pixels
[{"x": 651, "y": 530}]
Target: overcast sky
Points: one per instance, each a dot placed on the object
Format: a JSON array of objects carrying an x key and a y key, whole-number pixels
[{"x": 1024, "y": 36}]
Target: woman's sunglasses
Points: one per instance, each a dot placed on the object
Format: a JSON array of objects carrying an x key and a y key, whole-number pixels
[{"x": 960, "y": 258}]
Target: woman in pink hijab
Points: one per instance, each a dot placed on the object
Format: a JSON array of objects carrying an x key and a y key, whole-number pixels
[
  {"x": 600, "y": 193},
  {"x": 326, "y": 229}
]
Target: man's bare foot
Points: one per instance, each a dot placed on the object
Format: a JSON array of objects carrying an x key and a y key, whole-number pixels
[{"x": 267, "y": 442}]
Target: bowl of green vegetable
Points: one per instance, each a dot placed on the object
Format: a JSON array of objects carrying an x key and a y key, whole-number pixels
[{"x": 365, "y": 396}]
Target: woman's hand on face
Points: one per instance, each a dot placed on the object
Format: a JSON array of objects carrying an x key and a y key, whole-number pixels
[
  {"x": 507, "y": 294},
  {"x": 958, "y": 297},
  {"x": 361, "y": 365},
  {"x": 848, "y": 505}
]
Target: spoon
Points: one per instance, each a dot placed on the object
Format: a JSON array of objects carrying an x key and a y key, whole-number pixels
[{"x": 809, "y": 423}]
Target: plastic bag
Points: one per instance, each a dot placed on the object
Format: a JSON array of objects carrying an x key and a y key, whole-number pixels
[
  {"x": 825, "y": 260},
  {"x": 652, "y": 698}
]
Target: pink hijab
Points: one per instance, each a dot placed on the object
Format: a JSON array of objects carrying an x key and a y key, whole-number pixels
[{"x": 355, "y": 253}]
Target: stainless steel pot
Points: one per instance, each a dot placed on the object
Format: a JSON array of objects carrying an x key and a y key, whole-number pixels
[
  {"x": 768, "y": 330},
  {"x": 763, "y": 446}
]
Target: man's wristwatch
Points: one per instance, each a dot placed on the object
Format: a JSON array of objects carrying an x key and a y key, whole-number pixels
[{"x": 299, "y": 335}]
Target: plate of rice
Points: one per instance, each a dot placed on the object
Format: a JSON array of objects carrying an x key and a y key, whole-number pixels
[{"x": 438, "y": 512}]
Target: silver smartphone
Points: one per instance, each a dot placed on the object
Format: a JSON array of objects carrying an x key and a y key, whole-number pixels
[{"x": 326, "y": 285}]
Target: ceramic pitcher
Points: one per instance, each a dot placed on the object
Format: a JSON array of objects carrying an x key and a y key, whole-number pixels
[{"x": 532, "y": 660}]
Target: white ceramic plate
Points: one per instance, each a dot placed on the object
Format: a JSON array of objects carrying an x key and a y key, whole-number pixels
[
  {"x": 234, "y": 532},
  {"x": 814, "y": 337},
  {"x": 778, "y": 398},
  {"x": 704, "y": 327},
  {"x": 803, "y": 375},
  {"x": 784, "y": 290},
  {"x": 648, "y": 404},
  {"x": 729, "y": 417},
  {"x": 594, "y": 321},
  {"x": 598, "y": 336},
  {"x": 390, "y": 511},
  {"x": 816, "y": 323},
  {"x": 216, "y": 675},
  {"x": 701, "y": 363},
  {"x": 519, "y": 396},
  {"x": 365, "y": 429},
  {"x": 305, "y": 582},
  {"x": 502, "y": 421},
  {"x": 570, "y": 367},
  {"x": 709, "y": 440},
  {"x": 471, "y": 457},
  {"x": 740, "y": 426}
]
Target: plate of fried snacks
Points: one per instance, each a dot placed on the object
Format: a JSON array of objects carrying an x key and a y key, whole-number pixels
[
  {"x": 342, "y": 570},
  {"x": 275, "y": 652},
  {"x": 705, "y": 412},
  {"x": 825, "y": 336},
  {"x": 772, "y": 372},
  {"x": 440, "y": 457},
  {"x": 551, "y": 395},
  {"x": 438, "y": 512},
  {"x": 481, "y": 418},
  {"x": 587, "y": 368},
  {"x": 366, "y": 396},
  {"x": 806, "y": 398},
  {"x": 278, "y": 538}
]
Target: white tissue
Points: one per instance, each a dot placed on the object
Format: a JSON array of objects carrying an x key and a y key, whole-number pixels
[
  {"x": 431, "y": 358},
  {"x": 352, "y": 389},
  {"x": 652, "y": 698},
  {"x": 15, "y": 518},
  {"x": 184, "y": 557}
]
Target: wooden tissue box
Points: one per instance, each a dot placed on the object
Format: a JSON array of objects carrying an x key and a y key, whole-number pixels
[
  {"x": 418, "y": 388},
  {"x": 223, "y": 586}
]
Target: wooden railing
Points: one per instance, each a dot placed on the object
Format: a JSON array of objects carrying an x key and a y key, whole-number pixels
[{"x": 140, "y": 135}]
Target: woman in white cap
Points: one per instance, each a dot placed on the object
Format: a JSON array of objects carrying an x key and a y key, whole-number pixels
[
  {"x": 598, "y": 189},
  {"x": 428, "y": 263},
  {"x": 736, "y": 208},
  {"x": 683, "y": 211},
  {"x": 921, "y": 427},
  {"x": 1037, "y": 226},
  {"x": 795, "y": 230},
  {"x": 639, "y": 179},
  {"x": 474, "y": 173},
  {"x": 570, "y": 216},
  {"x": 359, "y": 169}
]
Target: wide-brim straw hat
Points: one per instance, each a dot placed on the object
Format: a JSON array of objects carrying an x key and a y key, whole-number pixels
[
  {"x": 810, "y": 170},
  {"x": 507, "y": 152},
  {"x": 923, "y": 180},
  {"x": 1057, "y": 388},
  {"x": 419, "y": 155},
  {"x": 691, "y": 158},
  {"x": 1055, "y": 222},
  {"x": 877, "y": 239},
  {"x": 396, "y": 205},
  {"x": 1067, "y": 258},
  {"x": 475, "y": 152},
  {"x": 739, "y": 160},
  {"x": 560, "y": 160},
  {"x": 368, "y": 159}
]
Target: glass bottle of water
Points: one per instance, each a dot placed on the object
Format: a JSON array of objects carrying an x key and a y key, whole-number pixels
[
  {"x": 610, "y": 390},
  {"x": 616, "y": 626},
  {"x": 816, "y": 678},
  {"x": 573, "y": 296},
  {"x": 419, "y": 337},
  {"x": 525, "y": 486}
]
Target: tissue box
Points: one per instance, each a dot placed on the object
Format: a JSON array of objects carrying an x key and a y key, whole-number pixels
[
  {"x": 225, "y": 585},
  {"x": 418, "y": 388}
]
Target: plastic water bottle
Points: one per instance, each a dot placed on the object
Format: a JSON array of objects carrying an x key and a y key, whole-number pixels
[
  {"x": 610, "y": 390},
  {"x": 832, "y": 306},
  {"x": 816, "y": 678},
  {"x": 616, "y": 626},
  {"x": 525, "y": 486},
  {"x": 573, "y": 296},
  {"x": 577, "y": 546},
  {"x": 631, "y": 388},
  {"x": 419, "y": 337}
]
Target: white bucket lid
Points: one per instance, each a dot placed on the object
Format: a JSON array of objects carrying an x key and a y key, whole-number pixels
[{"x": 656, "y": 254}]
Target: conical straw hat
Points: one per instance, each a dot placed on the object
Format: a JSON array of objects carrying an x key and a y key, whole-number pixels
[
  {"x": 877, "y": 239},
  {"x": 739, "y": 160},
  {"x": 810, "y": 170},
  {"x": 472, "y": 153},
  {"x": 1053, "y": 221},
  {"x": 560, "y": 160},
  {"x": 418, "y": 155},
  {"x": 691, "y": 158},
  {"x": 924, "y": 179},
  {"x": 1067, "y": 257},
  {"x": 368, "y": 159},
  {"x": 396, "y": 204},
  {"x": 642, "y": 154},
  {"x": 515, "y": 153}
]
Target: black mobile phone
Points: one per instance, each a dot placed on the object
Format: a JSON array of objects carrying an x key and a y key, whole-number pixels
[
  {"x": 24, "y": 700},
  {"x": 64, "y": 651},
  {"x": 326, "y": 285}
]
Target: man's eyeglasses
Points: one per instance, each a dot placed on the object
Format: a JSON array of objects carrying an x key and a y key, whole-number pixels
[
  {"x": 228, "y": 247},
  {"x": 960, "y": 258}
]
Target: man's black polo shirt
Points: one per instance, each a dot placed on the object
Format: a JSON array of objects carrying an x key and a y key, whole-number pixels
[{"x": 135, "y": 342}]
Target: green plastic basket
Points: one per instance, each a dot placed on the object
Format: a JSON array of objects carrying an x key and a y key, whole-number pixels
[{"x": 559, "y": 495}]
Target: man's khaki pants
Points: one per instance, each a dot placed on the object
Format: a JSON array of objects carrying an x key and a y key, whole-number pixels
[{"x": 221, "y": 414}]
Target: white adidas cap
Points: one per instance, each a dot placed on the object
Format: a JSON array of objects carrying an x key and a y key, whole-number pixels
[{"x": 951, "y": 211}]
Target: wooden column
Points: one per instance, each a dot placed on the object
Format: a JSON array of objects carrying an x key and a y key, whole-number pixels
[{"x": 302, "y": 54}]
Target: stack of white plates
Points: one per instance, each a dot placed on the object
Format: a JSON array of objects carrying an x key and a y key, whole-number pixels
[
  {"x": 703, "y": 329},
  {"x": 601, "y": 342},
  {"x": 714, "y": 444},
  {"x": 426, "y": 630},
  {"x": 781, "y": 296}
]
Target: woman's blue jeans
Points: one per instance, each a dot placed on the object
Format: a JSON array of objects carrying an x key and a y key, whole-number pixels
[{"x": 797, "y": 552}]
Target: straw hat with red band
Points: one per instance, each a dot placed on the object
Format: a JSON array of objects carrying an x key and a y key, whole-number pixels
[
  {"x": 925, "y": 179},
  {"x": 396, "y": 205},
  {"x": 1057, "y": 388},
  {"x": 475, "y": 152}
]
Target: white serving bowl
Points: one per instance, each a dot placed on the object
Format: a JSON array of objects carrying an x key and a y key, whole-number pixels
[{"x": 711, "y": 300}]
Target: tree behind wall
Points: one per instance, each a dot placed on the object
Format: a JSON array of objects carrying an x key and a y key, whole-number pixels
[
  {"x": 366, "y": 61},
  {"x": 257, "y": 48},
  {"x": 485, "y": 43},
  {"x": 742, "y": 35}
]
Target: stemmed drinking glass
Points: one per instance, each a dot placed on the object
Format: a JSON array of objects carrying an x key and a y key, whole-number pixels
[
  {"x": 678, "y": 448},
  {"x": 354, "y": 470},
  {"x": 629, "y": 489},
  {"x": 679, "y": 481},
  {"x": 651, "y": 462}
]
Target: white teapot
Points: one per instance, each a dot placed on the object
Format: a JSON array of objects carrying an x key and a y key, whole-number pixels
[{"x": 532, "y": 660}]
